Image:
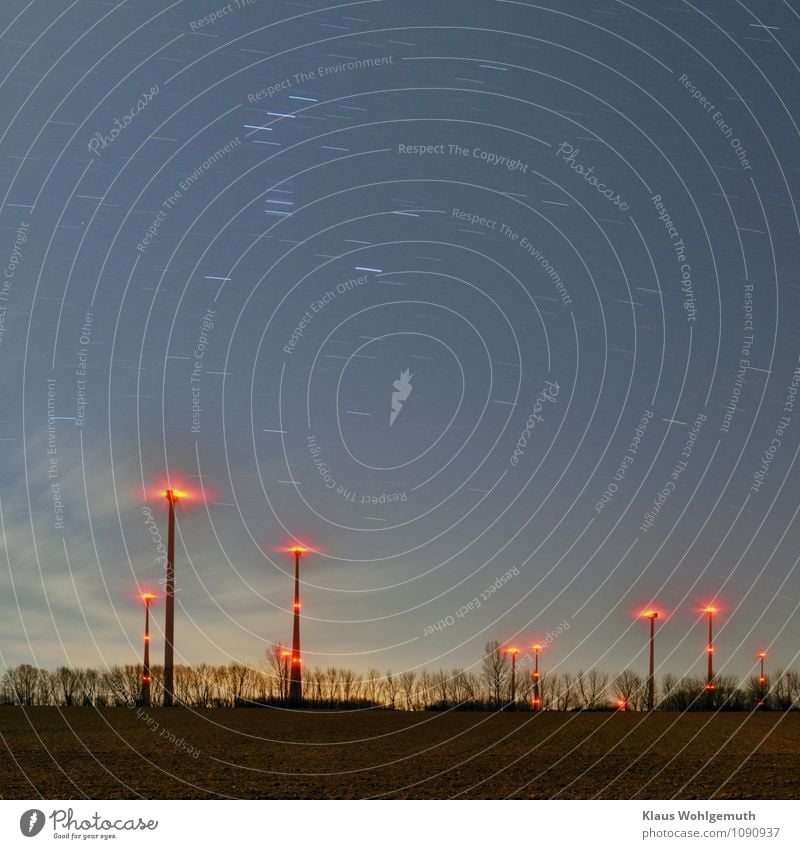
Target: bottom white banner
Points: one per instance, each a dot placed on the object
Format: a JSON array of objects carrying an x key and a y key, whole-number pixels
[{"x": 393, "y": 824}]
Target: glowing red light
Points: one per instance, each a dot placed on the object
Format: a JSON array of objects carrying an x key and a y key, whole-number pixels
[
  {"x": 762, "y": 654},
  {"x": 537, "y": 647},
  {"x": 296, "y": 605},
  {"x": 709, "y": 610},
  {"x": 286, "y": 654},
  {"x": 295, "y": 660},
  {"x": 147, "y": 596},
  {"x": 512, "y": 650},
  {"x": 761, "y": 679},
  {"x": 650, "y": 614},
  {"x": 174, "y": 494}
]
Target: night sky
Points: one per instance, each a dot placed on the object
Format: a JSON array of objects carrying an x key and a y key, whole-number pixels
[{"x": 494, "y": 306}]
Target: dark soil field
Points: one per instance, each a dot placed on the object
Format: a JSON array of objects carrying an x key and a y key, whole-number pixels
[{"x": 78, "y": 753}]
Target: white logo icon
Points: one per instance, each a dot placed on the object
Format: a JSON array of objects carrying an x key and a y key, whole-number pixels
[
  {"x": 31, "y": 822},
  {"x": 403, "y": 389}
]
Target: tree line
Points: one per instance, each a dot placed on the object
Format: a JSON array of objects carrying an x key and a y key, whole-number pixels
[{"x": 490, "y": 687}]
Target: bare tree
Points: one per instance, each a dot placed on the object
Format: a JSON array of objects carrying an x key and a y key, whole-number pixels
[
  {"x": 391, "y": 689},
  {"x": 442, "y": 685},
  {"x": 495, "y": 671},
  {"x": 565, "y": 691},
  {"x": 332, "y": 681},
  {"x": 373, "y": 685},
  {"x": 347, "y": 679},
  {"x": 627, "y": 689},
  {"x": 592, "y": 686},
  {"x": 66, "y": 683},
  {"x": 22, "y": 682},
  {"x": 425, "y": 689},
  {"x": 317, "y": 679},
  {"x": 278, "y": 669},
  {"x": 407, "y": 680},
  {"x": 465, "y": 688}
]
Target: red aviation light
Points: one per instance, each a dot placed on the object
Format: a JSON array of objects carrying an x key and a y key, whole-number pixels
[{"x": 175, "y": 494}]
